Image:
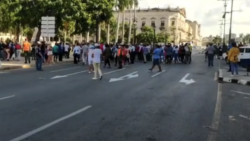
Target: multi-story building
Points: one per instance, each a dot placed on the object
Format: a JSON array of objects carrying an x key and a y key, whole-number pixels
[{"x": 170, "y": 20}]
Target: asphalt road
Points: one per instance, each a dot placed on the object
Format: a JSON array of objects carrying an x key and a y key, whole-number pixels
[{"x": 150, "y": 107}]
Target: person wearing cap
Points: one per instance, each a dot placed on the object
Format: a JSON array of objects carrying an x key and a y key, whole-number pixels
[{"x": 96, "y": 56}]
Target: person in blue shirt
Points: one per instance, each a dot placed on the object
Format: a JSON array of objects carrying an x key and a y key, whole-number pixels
[{"x": 157, "y": 53}]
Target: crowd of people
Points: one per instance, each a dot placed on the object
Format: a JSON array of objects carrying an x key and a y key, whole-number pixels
[{"x": 86, "y": 53}]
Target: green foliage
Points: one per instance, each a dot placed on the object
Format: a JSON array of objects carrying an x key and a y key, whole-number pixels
[
  {"x": 217, "y": 40},
  {"x": 147, "y": 36},
  {"x": 80, "y": 15}
]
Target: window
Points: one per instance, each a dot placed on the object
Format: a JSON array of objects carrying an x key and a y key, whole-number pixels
[
  {"x": 162, "y": 23},
  {"x": 247, "y": 50},
  {"x": 242, "y": 50},
  {"x": 153, "y": 23},
  {"x": 143, "y": 23},
  {"x": 173, "y": 23}
]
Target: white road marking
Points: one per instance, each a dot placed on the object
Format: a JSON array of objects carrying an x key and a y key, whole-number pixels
[
  {"x": 215, "y": 76},
  {"x": 65, "y": 69},
  {"x": 158, "y": 73},
  {"x": 24, "y": 136},
  {"x": 1, "y": 72},
  {"x": 7, "y": 97},
  {"x": 216, "y": 117},
  {"x": 66, "y": 75},
  {"x": 239, "y": 92},
  {"x": 113, "y": 71},
  {"x": 125, "y": 77},
  {"x": 245, "y": 117},
  {"x": 187, "y": 81}
]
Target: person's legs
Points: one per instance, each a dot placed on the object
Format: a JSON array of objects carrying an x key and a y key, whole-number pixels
[
  {"x": 232, "y": 68},
  {"x": 38, "y": 64},
  {"x": 153, "y": 65},
  {"x": 209, "y": 60},
  {"x": 108, "y": 62},
  {"x": 95, "y": 70},
  {"x": 18, "y": 54},
  {"x": 145, "y": 58},
  {"x": 212, "y": 59},
  {"x": 99, "y": 70},
  {"x": 25, "y": 56},
  {"x": 236, "y": 68},
  {"x": 158, "y": 63}
]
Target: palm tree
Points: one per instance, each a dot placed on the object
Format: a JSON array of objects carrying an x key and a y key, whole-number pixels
[
  {"x": 132, "y": 4},
  {"x": 122, "y": 5}
]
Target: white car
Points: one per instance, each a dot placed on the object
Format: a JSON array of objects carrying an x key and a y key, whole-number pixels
[{"x": 244, "y": 56}]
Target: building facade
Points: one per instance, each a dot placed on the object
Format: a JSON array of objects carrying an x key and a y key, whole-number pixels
[{"x": 169, "y": 20}]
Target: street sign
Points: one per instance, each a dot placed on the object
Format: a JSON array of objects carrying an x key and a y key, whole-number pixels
[{"x": 48, "y": 26}]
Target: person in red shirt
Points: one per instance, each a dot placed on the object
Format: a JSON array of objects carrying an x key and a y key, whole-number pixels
[{"x": 18, "y": 49}]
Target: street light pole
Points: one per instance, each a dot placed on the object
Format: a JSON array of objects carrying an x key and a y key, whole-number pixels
[
  {"x": 231, "y": 18},
  {"x": 134, "y": 26},
  {"x": 224, "y": 23}
]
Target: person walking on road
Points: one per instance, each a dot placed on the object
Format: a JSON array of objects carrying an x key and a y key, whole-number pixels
[
  {"x": 39, "y": 58},
  {"x": 233, "y": 58},
  {"x": 77, "y": 53},
  {"x": 90, "y": 59},
  {"x": 107, "y": 53},
  {"x": 157, "y": 53},
  {"x": 210, "y": 55},
  {"x": 97, "y": 55}
]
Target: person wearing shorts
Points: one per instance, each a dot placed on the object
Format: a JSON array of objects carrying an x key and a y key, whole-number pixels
[{"x": 156, "y": 58}]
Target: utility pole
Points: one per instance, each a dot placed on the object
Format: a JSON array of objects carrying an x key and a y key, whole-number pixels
[
  {"x": 224, "y": 25},
  {"x": 230, "y": 26}
]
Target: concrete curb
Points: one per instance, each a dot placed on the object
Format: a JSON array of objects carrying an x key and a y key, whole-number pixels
[
  {"x": 25, "y": 66},
  {"x": 236, "y": 80}
]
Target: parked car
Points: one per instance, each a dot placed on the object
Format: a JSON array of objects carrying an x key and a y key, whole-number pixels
[{"x": 244, "y": 56}]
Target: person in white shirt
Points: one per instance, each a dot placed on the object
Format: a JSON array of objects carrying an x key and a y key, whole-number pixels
[
  {"x": 77, "y": 53},
  {"x": 66, "y": 50},
  {"x": 84, "y": 54},
  {"x": 90, "y": 59},
  {"x": 96, "y": 56}
]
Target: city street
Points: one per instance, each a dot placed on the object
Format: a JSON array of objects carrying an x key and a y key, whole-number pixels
[{"x": 63, "y": 103}]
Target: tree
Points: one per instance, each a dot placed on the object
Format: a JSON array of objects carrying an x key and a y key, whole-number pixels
[
  {"x": 132, "y": 4},
  {"x": 217, "y": 40}
]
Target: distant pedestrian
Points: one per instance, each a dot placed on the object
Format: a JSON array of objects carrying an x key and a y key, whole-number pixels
[
  {"x": 157, "y": 53},
  {"x": 90, "y": 59},
  {"x": 97, "y": 55},
  {"x": 39, "y": 58},
  {"x": 210, "y": 55},
  {"x": 77, "y": 53},
  {"x": 27, "y": 51}
]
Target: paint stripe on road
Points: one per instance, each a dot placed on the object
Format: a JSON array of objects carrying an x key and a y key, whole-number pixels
[
  {"x": 216, "y": 117},
  {"x": 158, "y": 73},
  {"x": 65, "y": 69},
  {"x": 239, "y": 92},
  {"x": 113, "y": 71},
  {"x": 245, "y": 117},
  {"x": 24, "y": 136},
  {"x": 1, "y": 72},
  {"x": 7, "y": 97}
]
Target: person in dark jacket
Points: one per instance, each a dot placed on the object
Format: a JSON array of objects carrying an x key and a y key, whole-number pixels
[{"x": 107, "y": 53}]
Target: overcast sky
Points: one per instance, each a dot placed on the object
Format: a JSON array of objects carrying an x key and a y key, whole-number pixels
[{"x": 209, "y": 13}]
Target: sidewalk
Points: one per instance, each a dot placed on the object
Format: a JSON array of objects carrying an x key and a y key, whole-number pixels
[
  {"x": 224, "y": 76},
  {"x": 14, "y": 64}
]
